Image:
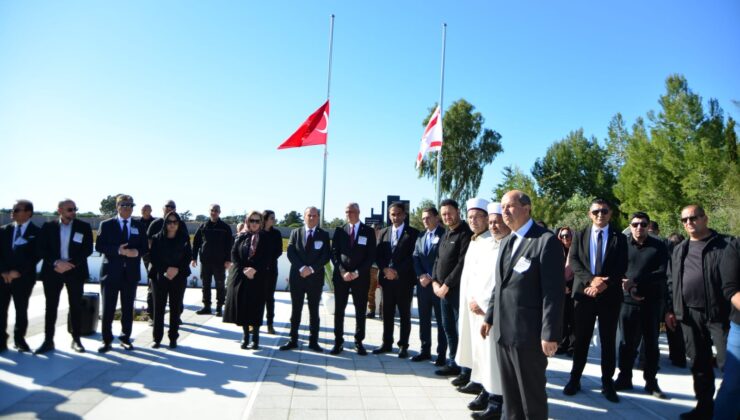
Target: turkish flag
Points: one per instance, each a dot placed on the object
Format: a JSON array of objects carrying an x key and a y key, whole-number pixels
[{"x": 312, "y": 132}]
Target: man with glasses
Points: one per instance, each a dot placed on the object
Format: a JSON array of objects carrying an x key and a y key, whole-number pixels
[
  {"x": 122, "y": 241},
  {"x": 64, "y": 245},
  {"x": 598, "y": 257},
  {"x": 213, "y": 241},
  {"x": 640, "y": 314},
  {"x": 18, "y": 258},
  {"x": 695, "y": 301}
]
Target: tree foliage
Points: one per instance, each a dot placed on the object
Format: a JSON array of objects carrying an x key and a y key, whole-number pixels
[
  {"x": 415, "y": 215},
  {"x": 108, "y": 205},
  {"x": 292, "y": 219},
  {"x": 334, "y": 223},
  {"x": 468, "y": 148}
]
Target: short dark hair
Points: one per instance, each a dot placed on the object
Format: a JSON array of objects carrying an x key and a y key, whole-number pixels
[
  {"x": 652, "y": 224},
  {"x": 397, "y": 205},
  {"x": 432, "y": 210},
  {"x": 602, "y": 202},
  {"x": 449, "y": 202},
  {"x": 267, "y": 213},
  {"x": 27, "y": 204},
  {"x": 640, "y": 215}
]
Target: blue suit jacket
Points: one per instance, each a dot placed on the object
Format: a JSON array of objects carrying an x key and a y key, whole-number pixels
[
  {"x": 424, "y": 263},
  {"x": 118, "y": 268}
]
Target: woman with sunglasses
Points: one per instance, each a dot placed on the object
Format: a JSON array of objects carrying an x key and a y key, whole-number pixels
[
  {"x": 170, "y": 258},
  {"x": 245, "y": 295},
  {"x": 565, "y": 236}
]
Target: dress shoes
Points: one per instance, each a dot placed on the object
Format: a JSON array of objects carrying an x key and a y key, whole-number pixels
[
  {"x": 255, "y": 346},
  {"x": 448, "y": 371},
  {"x": 46, "y": 346},
  {"x": 338, "y": 348},
  {"x": 700, "y": 412},
  {"x": 404, "y": 352},
  {"x": 105, "y": 348},
  {"x": 290, "y": 345},
  {"x": 471, "y": 388},
  {"x": 314, "y": 346},
  {"x": 383, "y": 349},
  {"x": 623, "y": 383},
  {"x": 609, "y": 392},
  {"x": 219, "y": 311},
  {"x": 155, "y": 345},
  {"x": 126, "y": 343},
  {"x": 173, "y": 344},
  {"x": 653, "y": 389},
  {"x": 572, "y": 387},
  {"x": 77, "y": 346},
  {"x": 22, "y": 346},
  {"x": 370, "y": 315},
  {"x": 493, "y": 411},
  {"x": 480, "y": 402},
  {"x": 441, "y": 361},
  {"x": 461, "y": 379},
  {"x": 206, "y": 310},
  {"x": 270, "y": 329},
  {"x": 360, "y": 349},
  {"x": 245, "y": 345},
  {"x": 421, "y": 357}
]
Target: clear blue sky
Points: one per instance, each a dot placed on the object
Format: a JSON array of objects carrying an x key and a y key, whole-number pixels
[{"x": 189, "y": 99}]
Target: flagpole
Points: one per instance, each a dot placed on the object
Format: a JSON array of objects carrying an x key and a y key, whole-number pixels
[
  {"x": 441, "y": 111},
  {"x": 328, "y": 92}
]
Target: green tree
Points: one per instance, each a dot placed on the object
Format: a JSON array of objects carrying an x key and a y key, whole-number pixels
[
  {"x": 543, "y": 208},
  {"x": 201, "y": 218},
  {"x": 186, "y": 216},
  {"x": 574, "y": 213},
  {"x": 108, "y": 205},
  {"x": 467, "y": 149},
  {"x": 415, "y": 216},
  {"x": 616, "y": 143},
  {"x": 292, "y": 219},
  {"x": 334, "y": 223}
]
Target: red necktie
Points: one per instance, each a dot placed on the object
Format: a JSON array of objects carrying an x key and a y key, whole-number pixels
[{"x": 352, "y": 237}]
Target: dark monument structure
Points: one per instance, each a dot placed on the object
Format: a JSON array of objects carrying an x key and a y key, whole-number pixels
[{"x": 382, "y": 219}]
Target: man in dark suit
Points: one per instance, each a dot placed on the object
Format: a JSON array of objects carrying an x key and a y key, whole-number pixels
[
  {"x": 396, "y": 277},
  {"x": 122, "y": 241},
  {"x": 64, "y": 245},
  {"x": 308, "y": 253},
  {"x": 526, "y": 310},
  {"x": 598, "y": 257},
  {"x": 425, "y": 253},
  {"x": 18, "y": 258},
  {"x": 352, "y": 253}
]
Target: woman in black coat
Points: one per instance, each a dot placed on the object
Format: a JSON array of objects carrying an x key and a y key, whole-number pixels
[
  {"x": 245, "y": 295},
  {"x": 170, "y": 258},
  {"x": 275, "y": 239},
  {"x": 565, "y": 236}
]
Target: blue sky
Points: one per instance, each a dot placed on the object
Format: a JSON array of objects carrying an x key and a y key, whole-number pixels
[{"x": 189, "y": 99}]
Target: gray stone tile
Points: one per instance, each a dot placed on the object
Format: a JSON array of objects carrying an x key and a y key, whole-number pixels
[
  {"x": 415, "y": 403},
  {"x": 269, "y": 414},
  {"x": 421, "y": 415},
  {"x": 342, "y": 391},
  {"x": 384, "y": 415},
  {"x": 269, "y": 401},
  {"x": 376, "y": 391},
  {"x": 380, "y": 403},
  {"x": 346, "y": 414},
  {"x": 344, "y": 403},
  {"x": 308, "y": 402},
  {"x": 308, "y": 414}
]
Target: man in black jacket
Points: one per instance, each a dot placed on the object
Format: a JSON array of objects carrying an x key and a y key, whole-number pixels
[
  {"x": 64, "y": 245},
  {"x": 352, "y": 253},
  {"x": 598, "y": 257},
  {"x": 18, "y": 258},
  {"x": 695, "y": 300},
  {"x": 213, "y": 241},
  {"x": 446, "y": 282}
]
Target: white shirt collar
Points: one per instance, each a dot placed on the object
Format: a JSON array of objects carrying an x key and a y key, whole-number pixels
[
  {"x": 524, "y": 229},
  {"x": 595, "y": 230}
]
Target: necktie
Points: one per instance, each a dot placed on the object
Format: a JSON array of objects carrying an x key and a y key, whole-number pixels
[
  {"x": 428, "y": 243},
  {"x": 394, "y": 239},
  {"x": 124, "y": 232},
  {"x": 352, "y": 237},
  {"x": 509, "y": 251},
  {"x": 309, "y": 239},
  {"x": 599, "y": 244},
  {"x": 17, "y": 235}
]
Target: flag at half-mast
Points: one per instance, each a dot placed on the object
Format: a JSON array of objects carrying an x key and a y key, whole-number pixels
[
  {"x": 312, "y": 132},
  {"x": 431, "y": 141}
]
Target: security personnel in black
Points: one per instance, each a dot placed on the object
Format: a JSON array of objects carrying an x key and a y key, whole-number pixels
[{"x": 213, "y": 241}]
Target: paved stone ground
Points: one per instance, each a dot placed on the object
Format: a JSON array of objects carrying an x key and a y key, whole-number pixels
[{"x": 209, "y": 375}]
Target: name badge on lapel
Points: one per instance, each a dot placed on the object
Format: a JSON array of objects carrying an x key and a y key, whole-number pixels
[
  {"x": 522, "y": 265},
  {"x": 77, "y": 237},
  {"x": 435, "y": 240},
  {"x": 362, "y": 240},
  {"x": 134, "y": 231},
  {"x": 318, "y": 244}
]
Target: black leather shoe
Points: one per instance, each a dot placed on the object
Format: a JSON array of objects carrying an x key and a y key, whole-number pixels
[
  {"x": 126, "y": 343},
  {"x": 105, "y": 348},
  {"x": 338, "y": 348},
  {"x": 315, "y": 347},
  {"x": 471, "y": 388},
  {"x": 155, "y": 344},
  {"x": 173, "y": 344},
  {"x": 360, "y": 349},
  {"x": 255, "y": 346},
  {"x": 46, "y": 346},
  {"x": 370, "y": 315},
  {"x": 270, "y": 329},
  {"x": 206, "y": 310},
  {"x": 461, "y": 379},
  {"x": 610, "y": 393},
  {"x": 383, "y": 349},
  {"x": 3, "y": 347},
  {"x": 290, "y": 345},
  {"x": 653, "y": 389},
  {"x": 480, "y": 402},
  {"x": 493, "y": 412},
  {"x": 219, "y": 311},
  {"x": 77, "y": 346},
  {"x": 572, "y": 387},
  {"x": 623, "y": 383},
  {"x": 421, "y": 357},
  {"x": 440, "y": 362},
  {"x": 22, "y": 346},
  {"x": 698, "y": 413},
  {"x": 404, "y": 352},
  {"x": 448, "y": 371},
  {"x": 245, "y": 345}
]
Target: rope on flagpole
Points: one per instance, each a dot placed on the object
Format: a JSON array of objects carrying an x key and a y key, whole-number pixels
[
  {"x": 328, "y": 92},
  {"x": 441, "y": 111}
]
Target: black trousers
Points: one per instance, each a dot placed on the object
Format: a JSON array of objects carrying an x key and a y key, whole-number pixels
[
  {"x": 164, "y": 290},
  {"x": 428, "y": 301},
  {"x": 639, "y": 322},
  {"x": 585, "y": 312},
  {"x": 149, "y": 291},
  {"x": 217, "y": 272},
  {"x": 110, "y": 290},
  {"x": 270, "y": 295},
  {"x": 569, "y": 331},
  {"x": 52, "y": 292},
  {"x": 358, "y": 288},
  {"x": 397, "y": 294},
  {"x": 676, "y": 346},
  {"x": 300, "y": 288},
  {"x": 523, "y": 381},
  {"x": 699, "y": 334},
  {"x": 20, "y": 290}
]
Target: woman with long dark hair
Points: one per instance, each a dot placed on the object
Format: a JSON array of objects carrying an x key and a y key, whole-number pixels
[
  {"x": 170, "y": 258},
  {"x": 245, "y": 294},
  {"x": 565, "y": 236},
  {"x": 275, "y": 250}
]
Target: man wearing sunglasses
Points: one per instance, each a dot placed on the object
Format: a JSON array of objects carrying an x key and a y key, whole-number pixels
[
  {"x": 640, "y": 314},
  {"x": 18, "y": 258},
  {"x": 598, "y": 257},
  {"x": 64, "y": 245},
  {"x": 696, "y": 304}
]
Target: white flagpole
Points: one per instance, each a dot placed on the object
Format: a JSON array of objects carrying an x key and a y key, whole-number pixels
[
  {"x": 441, "y": 108},
  {"x": 328, "y": 91}
]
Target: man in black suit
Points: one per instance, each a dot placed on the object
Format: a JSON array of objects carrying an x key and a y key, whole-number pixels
[
  {"x": 122, "y": 241},
  {"x": 526, "y": 310},
  {"x": 425, "y": 253},
  {"x": 396, "y": 277},
  {"x": 64, "y": 245},
  {"x": 18, "y": 258},
  {"x": 598, "y": 257},
  {"x": 352, "y": 253},
  {"x": 308, "y": 253}
]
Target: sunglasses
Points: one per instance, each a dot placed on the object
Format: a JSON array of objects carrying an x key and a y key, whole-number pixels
[
  {"x": 19, "y": 210},
  {"x": 692, "y": 219},
  {"x": 172, "y": 221},
  {"x": 565, "y": 236},
  {"x": 255, "y": 220},
  {"x": 602, "y": 211},
  {"x": 636, "y": 224},
  {"x": 71, "y": 209},
  {"x": 126, "y": 205}
]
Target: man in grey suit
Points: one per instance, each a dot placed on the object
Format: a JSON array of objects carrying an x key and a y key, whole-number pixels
[
  {"x": 526, "y": 310},
  {"x": 308, "y": 253}
]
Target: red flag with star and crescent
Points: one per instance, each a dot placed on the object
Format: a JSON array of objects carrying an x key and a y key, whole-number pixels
[{"x": 312, "y": 132}]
